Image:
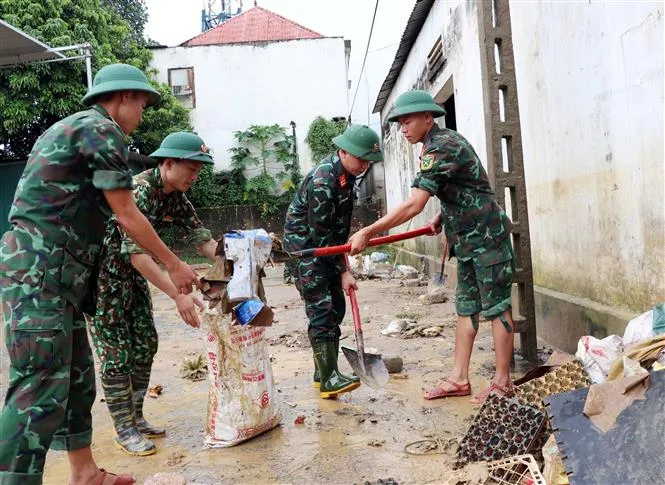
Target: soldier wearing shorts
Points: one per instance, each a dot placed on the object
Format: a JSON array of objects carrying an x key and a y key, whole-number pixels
[
  {"x": 320, "y": 215},
  {"x": 477, "y": 231}
]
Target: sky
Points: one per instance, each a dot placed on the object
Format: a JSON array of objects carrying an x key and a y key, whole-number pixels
[{"x": 171, "y": 22}]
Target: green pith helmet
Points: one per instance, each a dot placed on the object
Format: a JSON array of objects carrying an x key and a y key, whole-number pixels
[
  {"x": 415, "y": 101},
  {"x": 120, "y": 77},
  {"x": 183, "y": 145},
  {"x": 360, "y": 141}
]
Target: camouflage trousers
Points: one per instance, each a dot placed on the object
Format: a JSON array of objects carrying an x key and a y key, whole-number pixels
[
  {"x": 123, "y": 330},
  {"x": 51, "y": 383},
  {"x": 321, "y": 289},
  {"x": 484, "y": 282}
]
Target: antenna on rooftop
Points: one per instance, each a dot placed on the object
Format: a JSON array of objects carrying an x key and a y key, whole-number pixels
[{"x": 214, "y": 12}]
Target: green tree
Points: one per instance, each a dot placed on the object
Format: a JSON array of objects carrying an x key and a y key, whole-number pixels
[
  {"x": 32, "y": 98},
  {"x": 134, "y": 12},
  {"x": 269, "y": 148},
  {"x": 320, "y": 135}
]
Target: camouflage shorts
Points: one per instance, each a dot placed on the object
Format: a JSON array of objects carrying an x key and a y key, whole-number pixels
[
  {"x": 484, "y": 282},
  {"x": 325, "y": 305}
]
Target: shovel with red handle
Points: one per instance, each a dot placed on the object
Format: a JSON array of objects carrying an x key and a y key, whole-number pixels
[
  {"x": 369, "y": 367},
  {"x": 377, "y": 241}
]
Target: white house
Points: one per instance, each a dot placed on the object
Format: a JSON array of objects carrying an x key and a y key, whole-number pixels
[
  {"x": 257, "y": 68},
  {"x": 590, "y": 83}
]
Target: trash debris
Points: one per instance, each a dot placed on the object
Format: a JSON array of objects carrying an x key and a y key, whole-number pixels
[
  {"x": 560, "y": 379},
  {"x": 598, "y": 355},
  {"x": 394, "y": 364},
  {"x": 174, "y": 459},
  {"x": 194, "y": 369},
  {"x": 412, "y": 283},
  {"x": 515, "y": 470},
  {"x": 407, "y": 271},
  {"x": 379, "y": 257},
  {"x": 501, "y": 429},
  {"x": 405, "y": 328},
  {"x": 396, "y": 327},
  {"x": 155, "y": 391},
  {"x": 296, "y": 339},
  {"x": 376, "y": 443},
  {"x": 368, "y": 267},
  {"x": 588, "y": 454},
  {"x": 645, "y": 352},
  {"x": 300, "y": 419},
  {"x": 249, "y": 251},
  {"x": 554, "y": 472},
  {"x": 605, "y": 402},
  {"x": 431, "y": 332},
  {"x": 436, "y": 294}
]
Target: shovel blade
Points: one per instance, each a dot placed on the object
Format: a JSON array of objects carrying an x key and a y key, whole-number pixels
[
  {"x": 371, "y": 370},
  {"x": 439, "y": 280}
]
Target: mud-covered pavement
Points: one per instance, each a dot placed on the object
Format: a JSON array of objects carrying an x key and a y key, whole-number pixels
[{"x": 359, "y": 437}]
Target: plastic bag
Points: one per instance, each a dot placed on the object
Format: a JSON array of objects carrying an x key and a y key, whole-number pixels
[
  {"x": 249, "y": 251},
  {"x": 242, "y": 399},
  {"x": 638, "y": 329},
  {"x": 597, "y": 356}
]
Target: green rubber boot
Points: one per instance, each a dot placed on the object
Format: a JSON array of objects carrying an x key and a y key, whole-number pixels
[
  {"x": 118, "y": 393},
  {"x": 333, "y": 382},
  {"x": 140, "y": 381},
  {"x": 317, "y": 375}
]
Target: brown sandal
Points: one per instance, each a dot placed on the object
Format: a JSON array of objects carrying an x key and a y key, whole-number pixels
[
  {"x": 457, "y": 390},
  {"x": 505, "y": 391},
  {"x": 106, "y": 478}
]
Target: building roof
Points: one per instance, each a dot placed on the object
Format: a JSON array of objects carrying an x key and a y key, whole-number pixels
[
  {"x": 17, "y": 47},
  {"x": 411, "y": 31},
  {"x": 254, "y": 25}
]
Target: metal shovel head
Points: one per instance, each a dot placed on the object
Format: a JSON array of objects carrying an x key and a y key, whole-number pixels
[{"x": 371, "y": 370}]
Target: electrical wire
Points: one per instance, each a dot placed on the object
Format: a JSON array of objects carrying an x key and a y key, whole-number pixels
[{"x": 362, "y": 69}]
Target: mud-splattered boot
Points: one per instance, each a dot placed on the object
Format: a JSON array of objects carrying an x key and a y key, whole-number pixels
[
  {"x": 333, "y": 382},
  {"x": 317, "y": 375},
  {"x": 140, "y": 381},
  {"x": 118, "y": 393}
]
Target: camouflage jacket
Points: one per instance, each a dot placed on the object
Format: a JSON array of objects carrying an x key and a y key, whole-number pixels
[
  {"x": 59, "y": 211},
  {"x": 450, "y": 169},
  {"x": 320, "y": 213},
  {"x": 163, "y": 211}
]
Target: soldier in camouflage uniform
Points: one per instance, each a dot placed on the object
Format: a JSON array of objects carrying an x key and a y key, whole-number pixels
[
  {"x": 75, "y": 177},
  {"x": 123, "y": 329},
  {"x": 477, "y": 231},
  {"x": 320, "y": 215}
]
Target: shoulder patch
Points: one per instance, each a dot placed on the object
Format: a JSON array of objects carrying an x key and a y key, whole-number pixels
[{"x": 426, "y": 162}]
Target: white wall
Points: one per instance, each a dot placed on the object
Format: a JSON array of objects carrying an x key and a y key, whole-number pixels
[
  {"x": 590, "y": 86},
  {"x": 456, "y": 21},
  {"x": 242, "y": 84}
]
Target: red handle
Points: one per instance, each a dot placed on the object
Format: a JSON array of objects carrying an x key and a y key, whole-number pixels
[
  {"x": 377, "y": 241},
  {"x": 360, "y": 341}
]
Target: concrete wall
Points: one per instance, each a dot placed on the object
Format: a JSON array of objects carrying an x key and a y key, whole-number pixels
[
  {"x": 243, "y": 84},
  {"x": 456, "y": 22},
  {"x": 590, "y": 83},
  {"x": 590, "y": 91}
]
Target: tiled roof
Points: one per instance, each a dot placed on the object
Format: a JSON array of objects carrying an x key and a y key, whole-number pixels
[{"x": 254, "y": 25}]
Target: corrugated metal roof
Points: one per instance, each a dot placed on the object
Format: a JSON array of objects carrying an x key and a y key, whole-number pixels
[
  {"x": 255, "y": 25},
  {"x": 17, "y": 47},
  {"x": 413, "y": 26}
]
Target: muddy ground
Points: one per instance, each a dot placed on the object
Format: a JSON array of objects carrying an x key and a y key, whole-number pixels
[{"x": 359, "y": 437}]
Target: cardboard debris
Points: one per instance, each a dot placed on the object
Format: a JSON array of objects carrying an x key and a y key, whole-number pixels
[{"x": 606, "y": 401}]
